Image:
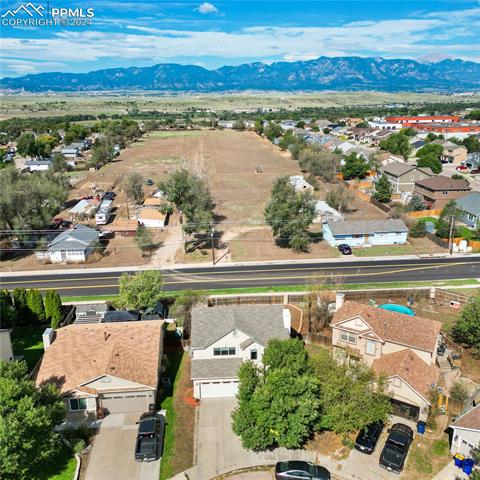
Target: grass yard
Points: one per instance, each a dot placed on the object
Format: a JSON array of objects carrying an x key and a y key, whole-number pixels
[
  {"x": 61, "y": 466},
  {"x": 27, "y": 341},
  {"x": 383, "y": 251},
  {"x": 427, "y": 457},
  {"x": 179, "y": 434}
]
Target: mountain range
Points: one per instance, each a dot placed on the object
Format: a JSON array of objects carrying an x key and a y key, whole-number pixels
[{"x": 323, "y": 73}]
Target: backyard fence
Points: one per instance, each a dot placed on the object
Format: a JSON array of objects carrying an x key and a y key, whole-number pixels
[
  {"x": 424, "y": 213},
  {"x": 317, "y": 339},
  {"x": 446, "y": 297}
]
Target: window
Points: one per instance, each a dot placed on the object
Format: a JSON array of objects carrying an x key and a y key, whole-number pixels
[
  {"x": 370, "y": 347},
  {"x": 348, "y": 337},
  {"x": 224, "y": 351},
  {"x": 253, "y": 354},
  {"x": 78, "y": 404}
]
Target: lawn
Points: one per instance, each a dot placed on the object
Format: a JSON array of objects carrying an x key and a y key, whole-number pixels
[
  {"x": 61, "y": 466},
  {"x": 178, "y": 447},
  {"x": 427, "y": 457},
  {"x": 27, "y": 341},
  {"x": 384, "y": 250}
]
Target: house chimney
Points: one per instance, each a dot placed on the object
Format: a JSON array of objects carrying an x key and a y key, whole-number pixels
[
  {"x": 48, "y": 337},
  {"x": 339, "y": 299},
  {"x": 287, "y": 319}
]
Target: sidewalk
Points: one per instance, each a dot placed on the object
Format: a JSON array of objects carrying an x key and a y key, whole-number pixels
[
  {"x": 450, "y": 472},
  {"x": 181, "y": 266}
]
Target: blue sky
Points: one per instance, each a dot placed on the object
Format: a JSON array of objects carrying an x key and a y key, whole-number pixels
[{"x": 212, "y": 34}]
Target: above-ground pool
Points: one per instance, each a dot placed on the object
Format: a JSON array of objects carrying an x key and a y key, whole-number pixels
[{"x": 393, "y": 307}]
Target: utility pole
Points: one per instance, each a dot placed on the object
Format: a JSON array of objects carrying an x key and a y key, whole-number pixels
[
  {"x": 450, "y": 234},
  {"x": 212, "y": 238}
]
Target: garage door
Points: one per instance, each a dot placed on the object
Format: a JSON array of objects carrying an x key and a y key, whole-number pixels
[
  {"x": 218, "y": 389},
  {"x": 133, "y": 402}
]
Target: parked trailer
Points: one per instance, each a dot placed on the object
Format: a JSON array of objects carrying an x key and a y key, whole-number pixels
[{"x": 104, "y": 212}]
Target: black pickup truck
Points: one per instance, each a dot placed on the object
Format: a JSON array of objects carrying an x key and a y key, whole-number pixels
[
  {"x": 151, "y": 429},
  {"x": 396, "y": 448}
]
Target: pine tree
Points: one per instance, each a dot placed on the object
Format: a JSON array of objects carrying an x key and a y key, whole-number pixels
[
  {"x": 47, "y": 301},
  {"x": 7, "y": 311},
  {"x": 56, "y": 310},
  {"x": 35, "y": 304},
  {"x": 22, "y": 312},
  {"x": 383, "y": 190}
]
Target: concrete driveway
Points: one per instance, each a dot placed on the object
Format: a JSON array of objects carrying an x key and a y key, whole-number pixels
[{"x": 112, "y": 456}]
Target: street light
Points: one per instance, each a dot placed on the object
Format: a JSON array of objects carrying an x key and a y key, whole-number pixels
[{"x": 212, "y": 238}]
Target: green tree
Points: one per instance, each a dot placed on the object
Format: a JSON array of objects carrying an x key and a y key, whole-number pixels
[
  {"x": 409, "y": 131},
  {"x": 350, "y": 395},
  {"x": 7, "y": 310},
  {"x": 239, "y": 125},
  {"x": 429, "y": 156},
  {"x": 140, "y": 290},
  {"x": 472, "y": 143},
  {"x": 28, "y": 415},
  {"x": 144, "y": 239},
  {"x": 133, "y": 186},
  {"x": 35, "y": 304},
  {"x": 272, "y": 131},
  {"x": 279, "y": 404},
  {"x": 466, "y": 329},
  {"x": 26, "y": 145},
  {"x": 258, "y": 127},
  {"x": 418, "y": 230},
  {"x": 20, "y": 302},
  {"x": 355, "y": 167},
  {"x": 320, "y": 163},
  {"x": 290, "y": 214},
  {"x": 300, "y": 124},
  {"x": 362, "y": 124},
  {"x": 59, "y": 162},
  {"x": 383, "y": 190},
  {"x": 183, "y": 306},
  {"x": 397, "y": 143},
  {"x": 448, "y": 212},
  {"x": 416, "y": 204},
  {"x": 340, "y": 199},
  {"x": 53, "y": 308}
]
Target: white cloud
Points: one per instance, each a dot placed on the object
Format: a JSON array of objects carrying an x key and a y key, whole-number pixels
[{"x": 207, "y": 7}]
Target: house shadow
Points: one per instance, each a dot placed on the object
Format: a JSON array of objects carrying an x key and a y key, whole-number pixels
[{"x": 171, "y": 360}]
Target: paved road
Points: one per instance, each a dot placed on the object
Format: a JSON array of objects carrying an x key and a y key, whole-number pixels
[{"x": 202, "y": 278}]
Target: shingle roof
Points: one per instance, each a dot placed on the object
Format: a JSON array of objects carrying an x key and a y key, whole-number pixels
[
  {"x": 441, "y": 182},
  {"x": 151, "y": 214},
  {"x": 470, "y": 203},
  {"x": 397, "y": 169},
  {"x": 359, "y": 227},
  {"x": 261, "y": 322},
  {"x": 411, "y": 368},
  {"x": 81, "y": 353},
  {"x": 215, "y": 368},
  {"x": 79, "y": 238},
  {"x": 416, "y": 332},
  {"x": 470, "y": 419}
]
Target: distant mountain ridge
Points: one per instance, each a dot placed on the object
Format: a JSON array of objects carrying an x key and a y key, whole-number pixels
[{"x": 324, "y": 73}]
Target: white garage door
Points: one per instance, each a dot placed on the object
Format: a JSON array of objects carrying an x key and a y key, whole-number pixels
[
  {"x": 132, "y": 402},
  {"x": 218, "y": 389}
]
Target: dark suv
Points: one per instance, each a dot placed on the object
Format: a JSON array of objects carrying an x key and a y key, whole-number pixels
[
  {"x": 151, "y": 429},
  {"x": 368, "y": 437},
  {"x": 300, "y": 470},
  {"x": 396, "y": 448}
]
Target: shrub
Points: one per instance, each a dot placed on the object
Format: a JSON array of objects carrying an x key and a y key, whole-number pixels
[
  {"x": 459, "y": 392},
  {"x": 78, "y": 445}
]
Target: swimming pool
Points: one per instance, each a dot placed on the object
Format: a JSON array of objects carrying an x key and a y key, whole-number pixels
[{"x": 393, "y": 307}]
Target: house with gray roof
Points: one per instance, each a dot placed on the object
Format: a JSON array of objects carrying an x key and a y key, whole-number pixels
[
  {"x": 470, "y": 209},
  {"x": 71, "y": 246},
  {"x": 223, "y": 337},
  {"x": 403, "y": 176},
  {"x": 365, "y": 233}
]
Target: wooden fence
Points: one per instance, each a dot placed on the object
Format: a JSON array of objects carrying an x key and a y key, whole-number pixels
[
  {"x": 424, "y": 213},
  {"x": 445, "y": 297},
  {"x": 317, "y": 339}
]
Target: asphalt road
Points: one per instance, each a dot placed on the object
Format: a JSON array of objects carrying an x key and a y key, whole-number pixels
[{"x": 202, "y": 278}]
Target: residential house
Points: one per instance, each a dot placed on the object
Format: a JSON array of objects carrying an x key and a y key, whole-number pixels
[
  {"x": 403, "y": 176},
  {"x": 112, "y": 366},
  {"x": 300, "y": 184},
  {"x": 379, "y": 135},
  {"x": 453, "y": 153},
  {"x": 466, "y": 432},
  {"x": 324, "y": 212},
  {"x": 152, "y": 218},
  {"x": 401, "y": 347},
  {"x": 70, "y": 151},
  {"x": 38, "y": 165},
  {"x": 6, "y": 350},
  {"x": 361, "y": 134},
  {"x": 473, "y": 160},
  {"x": 439, "y": 190},
  {"x": 153, "y": 202},
  {"x": 90, "y": 313},
  {"x": 74, "y": 245},
  {"x": 82, "y": 210},
  {"x": 366, "y": 232},
  {"x": 470, "y": 209},
  {"x": 225, "y": 336}
]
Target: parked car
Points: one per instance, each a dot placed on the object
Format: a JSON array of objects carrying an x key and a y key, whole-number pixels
[
  {"x": 475, "y": 171},
  {"x": 345, "y": 249},
  {"x": 109, "y": 195},
  {"x": 396, "y": 448},
  {"x": 300, "y": 470},
  {"x": 461, "y": 168},
  {"x": 368, "y": 437},
  {"x": 149, "y": 444},
  {"x": 150, "y": 182}
]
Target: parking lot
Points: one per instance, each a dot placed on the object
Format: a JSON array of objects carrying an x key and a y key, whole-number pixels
[{"x": 112, "y": 455}]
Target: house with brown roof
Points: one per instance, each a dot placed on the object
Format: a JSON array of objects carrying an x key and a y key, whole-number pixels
[
  {"x": 403, "y": 348},
  {"x": 438, "y": 191},
  {"x": 452, "y": 153},
  {"x": 109, "y": 367},
  {"x": 403, "y": 176},
  {"x": 466, "y": 432}
]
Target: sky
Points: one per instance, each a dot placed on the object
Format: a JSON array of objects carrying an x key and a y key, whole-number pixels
[{"x": 213, "y": 34}]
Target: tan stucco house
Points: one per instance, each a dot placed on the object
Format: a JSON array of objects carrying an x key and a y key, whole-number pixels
[
  {"x": 400, "y": 347},
  {"x": 110, "y": 366},
  {"x": 403, "y": 176}
]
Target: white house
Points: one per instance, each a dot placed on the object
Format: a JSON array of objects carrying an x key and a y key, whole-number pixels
[
  {"x": 360, "y": 233},
  {"x": 152, "y": 218},
  {"x": 38, "y": 165},
  {"x": 324, "y": 212},
  {"x": 70, "y": 151},
  {"x": 73, "y": 245},
  {"x": 6, "y": 351},
  {"x": 223, "y": 337},
  {"x": 113, "y": 366},
  {"x": 466, "y": 432},
  {"x": 300, "y": 184}
]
